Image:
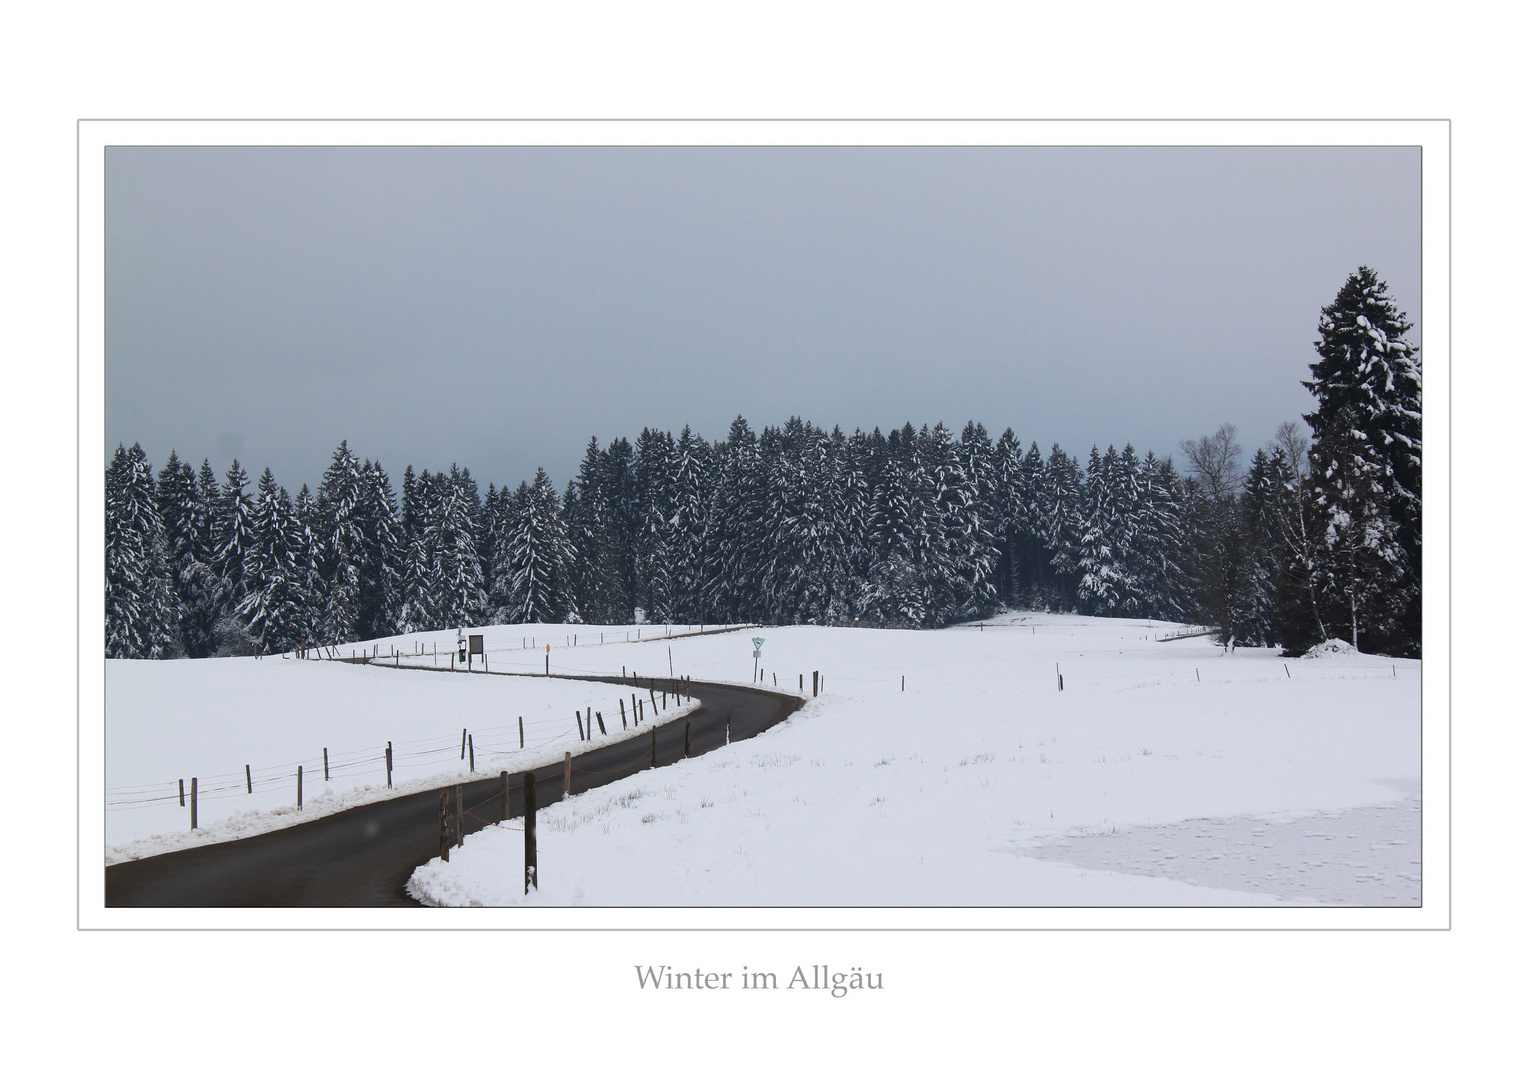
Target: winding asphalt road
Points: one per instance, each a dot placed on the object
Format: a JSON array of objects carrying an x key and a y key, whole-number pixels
[{"x": 363, "y": 857}]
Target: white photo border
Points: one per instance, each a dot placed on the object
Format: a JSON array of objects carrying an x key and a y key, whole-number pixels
[{"x": 1432, "y": 136}]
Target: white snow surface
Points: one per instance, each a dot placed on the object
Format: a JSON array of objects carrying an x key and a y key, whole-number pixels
[
  {"x": 1330, "y": 647},
  {"x": 171, "y": 720},
  {"x": 961, "y": 789}
]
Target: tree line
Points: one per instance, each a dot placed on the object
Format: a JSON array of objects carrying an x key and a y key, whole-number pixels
[{"x": 1319, "y": 537}]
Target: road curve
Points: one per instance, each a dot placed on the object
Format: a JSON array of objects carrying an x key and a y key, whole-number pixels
[{"x": 363, "y": 857}]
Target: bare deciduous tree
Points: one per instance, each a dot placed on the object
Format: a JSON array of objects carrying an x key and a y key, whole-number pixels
[{"x": 1215, "y": 460}]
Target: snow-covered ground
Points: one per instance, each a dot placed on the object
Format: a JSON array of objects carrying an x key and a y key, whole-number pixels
[
  {"x": 170, "y": 720},
  {"x": 963, "y": 788}
]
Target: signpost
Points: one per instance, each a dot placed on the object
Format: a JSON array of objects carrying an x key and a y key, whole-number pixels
[{"x": 757, "y": 652}]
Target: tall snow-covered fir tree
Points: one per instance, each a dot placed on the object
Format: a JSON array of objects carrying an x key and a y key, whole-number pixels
[
  {"x": 1159, "y": 541},
  {"x": 535, "y": 558},
  {"x": 418, "y": 607},
  {"x": 187, "y": 529},
  {"x": 595, "y": 573},
  {"x": 1296, "y": 599},
  {"x": 691, "y": 496},
  {"x": 734, "y": 549},
  {"x": 1365, "y": 468},
  {"x": 234, "y": 532},
  {"x": 341, "y": 542},
  {"x": 383, "y": 552},
  {"x": 450, "y": 542},
  {"x": 653, "y": 549},
  {"x": 1060, "y": 515},
  {"x": 277, "y": 605},
  {"x": 1103, "y": 582},
  {"x": 142, "y": 609}
]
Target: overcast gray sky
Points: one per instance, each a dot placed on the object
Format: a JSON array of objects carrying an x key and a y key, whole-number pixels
[{"x": 497, "y": 306}]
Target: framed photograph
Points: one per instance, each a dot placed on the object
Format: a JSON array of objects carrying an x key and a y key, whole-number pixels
[{"x": 764, "y": 525}]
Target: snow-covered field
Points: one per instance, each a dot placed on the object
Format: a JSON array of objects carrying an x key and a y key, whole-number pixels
[
  {"x": 961, "y": 789},
  {"x": 171, "y": 720}
]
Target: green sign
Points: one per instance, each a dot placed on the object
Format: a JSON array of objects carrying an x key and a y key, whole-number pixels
[{"x": 758, "y": 643}]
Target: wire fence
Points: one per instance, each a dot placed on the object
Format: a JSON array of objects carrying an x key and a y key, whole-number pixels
[
  {"x": 440, "y": 658},
  {"x": 493, "y": 746}
]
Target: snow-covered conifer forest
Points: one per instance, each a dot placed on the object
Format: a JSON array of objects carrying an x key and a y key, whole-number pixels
[{"x": 1316, "y": 537}]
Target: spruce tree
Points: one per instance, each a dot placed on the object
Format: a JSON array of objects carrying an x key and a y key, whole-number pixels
[
  {"x": 276, "y": 602},
  {"x": 1365, "y": 456},
  {"x": 382, "y": 555},
  {"x": 142, "y": 610},
  {"x": 1159, "y": 541},
  {"x": 341, "y": 541},
  {"x": 450, "y": 539},
  {"x": 594, "y": 576},
  {"x": 535, "y": 558},
  {"x": 1265, "y": 483},
  {"x": 652, "y": 471},
  {"x": 1296, "y": 600},
  {"x": 1006, "y": 476},
  {"x": 1103, "y": 584},
  {"x": 188, "y": 551},
  {"x": 691, "y": 497},
  {"x": 1060, "y": 521},
  {"x": 733, "y": 541},
  {"x": 235, "y": 537}
]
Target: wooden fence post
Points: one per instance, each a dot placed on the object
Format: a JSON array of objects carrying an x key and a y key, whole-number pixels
[
  {"x": 814, "y": 677},
  {"x": 463, "y": 744},
  {"x": 503, "y": 795},
  {"x": 471, "y": 756},
  {"x": 600, "y": 717},
  {"x": 389, "y": 763},
  {"x": 248, "y": 781},
  {"x": 622, "y": 714},
  {"x": 578, "y": 715},
  {"x": 636, "y": 714},
  {"x": 299, "y": 787},
  {"x": 522, "y": 733},
  {"x": 445, "y": 828},
  {"x": 193, "y": 802},
  {"x": 1060, "y": 681},
  {"x": 182, "y": 791},
  {"x": 325, "y": 764},
  {"x": 530, "y": 832},
  {"x": 567, "y": 773}
]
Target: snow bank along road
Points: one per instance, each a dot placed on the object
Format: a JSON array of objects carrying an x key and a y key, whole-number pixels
[{"x": 363, "y": 857}]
